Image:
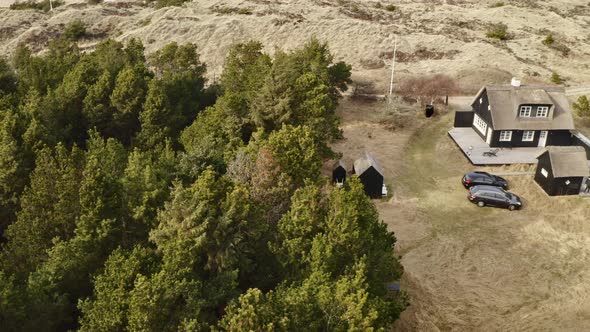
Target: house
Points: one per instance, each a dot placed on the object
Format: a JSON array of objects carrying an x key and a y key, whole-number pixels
[
  {"x": 522, "y": 116},
  {"x": 562, "y": 170},
  {"x": 370, "y": 174},
  {"x": 339, "y": 172}
]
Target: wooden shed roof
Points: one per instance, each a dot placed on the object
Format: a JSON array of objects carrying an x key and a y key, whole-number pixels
[
  {"x": 568, "y": 161},
  {"x": 362, "y": 164},
  {"x": 339, "y": 163}
]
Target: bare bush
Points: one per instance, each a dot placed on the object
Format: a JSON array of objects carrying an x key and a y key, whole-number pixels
[
  {"x": 428, "y": 89},
  {"x": 420, "y": 54},
  {"x": 363, "y": 90}
]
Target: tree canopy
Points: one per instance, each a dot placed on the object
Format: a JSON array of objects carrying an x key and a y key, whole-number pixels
[{"x": 136, "y": 195}]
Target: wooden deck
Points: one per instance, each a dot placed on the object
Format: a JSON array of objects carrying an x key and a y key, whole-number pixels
[{"x": 474, "y": 146}]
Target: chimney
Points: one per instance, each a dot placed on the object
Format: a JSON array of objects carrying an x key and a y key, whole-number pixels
[{"x": 515, "y": 82}]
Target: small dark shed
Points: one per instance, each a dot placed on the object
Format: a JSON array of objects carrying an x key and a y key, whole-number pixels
[
  {"x": 370, "y": 175},
  {"x": 339, "y": 172},
  {"x": 562, "y": 170},
  {"x": 463, "y": 119}
]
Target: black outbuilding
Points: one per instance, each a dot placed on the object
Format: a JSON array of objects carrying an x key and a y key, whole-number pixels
[
  {"x": 339, "y": 172},
  {"x": 562, "y": 170},
  {"x": 370, "y": 174}
]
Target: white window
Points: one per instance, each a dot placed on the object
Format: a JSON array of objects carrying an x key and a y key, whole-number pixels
[
  {"x": 525, "y": 111},
  {"x": 544, "y": 172},
  {"x": 542, "y": 111},
  {"x": 480, "y": 100},
  {"x": 528, "y": 136},
  {"x": 480, "y": 124},
  {"x": 505, "y": 135},
  {"x": 489, "y": 107}
]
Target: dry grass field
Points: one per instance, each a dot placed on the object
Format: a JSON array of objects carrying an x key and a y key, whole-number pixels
[{"x": 469, "y": 268}]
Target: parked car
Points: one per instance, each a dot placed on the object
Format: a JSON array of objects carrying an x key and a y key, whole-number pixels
[
  {"x": 483, "y": 178},
  {"x": 494, "y": 196}
]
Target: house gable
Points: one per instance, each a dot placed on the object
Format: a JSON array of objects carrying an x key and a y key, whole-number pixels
[{"x": 481, "y": 107}]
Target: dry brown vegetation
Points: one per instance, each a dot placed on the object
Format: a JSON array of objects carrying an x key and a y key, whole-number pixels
[{"x": 428, "y": 89}]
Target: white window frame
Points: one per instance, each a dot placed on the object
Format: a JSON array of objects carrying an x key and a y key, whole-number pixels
[
  {"x": 525, "y": 111},
  {"x": 544, "y": 172},
  {"x": 480, "y": 124},
  {"x": 528, "y": 135},
  {"x": 505, "y": 135},
  {"x": 542, "y": 111}
]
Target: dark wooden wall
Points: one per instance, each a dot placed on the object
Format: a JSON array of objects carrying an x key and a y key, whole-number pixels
[
  {"x": 556, "y": 186},
  {"x": 544, "y": 182},
  {"x": 482, "y": 111},
  {"x": 463, "y": 119},
  {"x": 554, "y": 137},
  {"x": 373, "y": 182}
]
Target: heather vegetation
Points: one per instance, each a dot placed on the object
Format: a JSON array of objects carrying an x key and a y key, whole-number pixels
[{"x": 135, "y": 196}]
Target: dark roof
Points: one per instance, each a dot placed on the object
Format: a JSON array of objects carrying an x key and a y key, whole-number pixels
[
  {"x": 339, "y": 163},
  {"x": 505, "y": 102},
  {"x": 362, "y": 164},
  {"x": 568, "y": 161}
]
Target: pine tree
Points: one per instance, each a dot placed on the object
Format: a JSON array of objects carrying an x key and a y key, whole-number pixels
[
  {"x": 297, "y": 152},
  {"x": 50, "y": 206},
  {"x": 98, "y": 110},
  {"x": 127, "y": 98},
  {"x": 12, "y": 172},
  {"x": 8, "y": 79},
  {"x": 108, "y": 309},
  {"x": 156, "y": 117}
]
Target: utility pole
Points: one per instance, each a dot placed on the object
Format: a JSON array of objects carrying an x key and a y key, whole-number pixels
[
  {"x": 50, "y": 5},
  {"x": 392, "y": 70}
]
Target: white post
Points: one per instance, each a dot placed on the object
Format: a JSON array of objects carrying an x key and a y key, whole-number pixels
[
  {"x": 50, "y": 5},
  {"x": 392, "y": 69}
]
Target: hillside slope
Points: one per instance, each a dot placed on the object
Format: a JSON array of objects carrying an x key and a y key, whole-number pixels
[{"x": 434, "y": 36}]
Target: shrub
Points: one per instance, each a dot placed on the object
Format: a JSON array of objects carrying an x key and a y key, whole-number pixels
[
  {"x": 168, "y": 3},
  {"x": 549, "y": 40},
  {"x": 556, "y": 78},
  {"x": 390, "y": 8},
  {"x": 427, "y": 89},
  {"x": 498, "y": 31},
  {"x": 43, "y": 5},
  {"x": 497, "y": 4},
  {"x": 565, "y": 51},
  {"x": 582, "y": 107},
  {"x": 75, "y": 30},
  {"x": 94, "y": 2},
  {"x": 244, "y": 11},
  {"x": 232, "y": 10}
]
